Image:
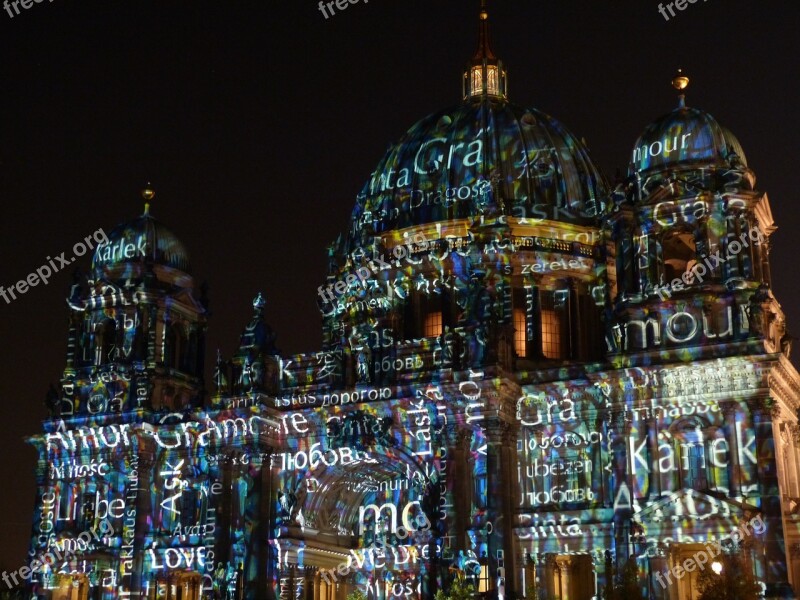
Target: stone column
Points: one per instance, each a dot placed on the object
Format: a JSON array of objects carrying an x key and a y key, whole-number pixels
[
  {"x": 605, "y": 458},
  {"x": 151, "y": 314},
  {"x": 551, "y": 576},
  {"x": 72, "y": 340},
  {"x": 576, "y": 342},
  {"x": 734, "y": 471},
  {"x": 266, "y": 525},
  {"x": 625, "y": 262},
  {"x": 562, "y": 566},
  {"x": 531, "y": 578},
  {"x": 766, "y": 274},
  {"x": 500, "y": 469},
  {"x": 775, "y": 576},
  {"x": 341, "y": 590},
  {"x": 794, "y": 431},
  {"x": 462, "y": 474},
  {"x": 223, "y": 545},
  {"x": 654, "y": 487},
  {"x": 257, "y": 521},
  {"x": 794, "y": 560},
  {"x": 532, "y": 326},
  {"x": 145, "y": 472},
  {"x": 620, "y": 461}
]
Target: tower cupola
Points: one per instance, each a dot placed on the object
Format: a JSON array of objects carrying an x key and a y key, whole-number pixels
[
  {"x": 137, "y": 326},
  {"x": 485, "y": 74}
]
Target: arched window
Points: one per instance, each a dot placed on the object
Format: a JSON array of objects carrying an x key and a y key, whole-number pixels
[
  {"x": 738, "y": 248},
  {"x": 694, "y": 460},
  {"x": 179, "y": 501},
  {"x": 701, "y": 455},
  {"x": 190, "y": 355},
  {"x": 559, "y": 476},
  {"x": 679, "y": 254},
  {"x": 87, "y": 508},
  {"x": 425, "y": 313},
  {"x": 192, "y": 511},
  {"x": 569, "y": 471},
  {"x": 174, "y": 346},
  {"x": 690, "y": 454},
  {"x": 551, "y": 333},
  {"x": 105, "y": 342}
]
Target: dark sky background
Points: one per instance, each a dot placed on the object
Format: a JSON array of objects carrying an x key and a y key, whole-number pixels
[{"x": 258, "y": 122}]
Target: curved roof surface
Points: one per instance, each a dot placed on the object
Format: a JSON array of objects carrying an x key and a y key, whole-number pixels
[
  {"x": 142, "y": 240},
  {"x": 474, "y": 157},
  {"x": 685, "y": 137}
]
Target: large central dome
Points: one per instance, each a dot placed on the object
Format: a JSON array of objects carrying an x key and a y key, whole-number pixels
[{"x": 484, "y": 155}]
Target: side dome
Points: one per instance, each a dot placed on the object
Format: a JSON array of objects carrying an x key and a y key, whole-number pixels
[
  {"x": 484, "y": 156},
  {"x": 685, "y": 138},
  {"x": 142, "y": 241}
]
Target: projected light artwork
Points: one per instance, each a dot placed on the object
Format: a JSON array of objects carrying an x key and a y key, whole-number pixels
[{"x": 522, "y": 385}]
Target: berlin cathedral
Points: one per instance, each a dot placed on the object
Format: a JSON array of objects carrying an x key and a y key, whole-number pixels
[{"x": 530, "y": 380}]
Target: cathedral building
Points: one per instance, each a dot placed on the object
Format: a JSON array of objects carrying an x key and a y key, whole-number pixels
[{"x": 529, "y": 379}]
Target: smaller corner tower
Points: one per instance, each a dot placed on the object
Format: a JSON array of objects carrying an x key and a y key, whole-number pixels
[
  {"x": 137, "y": 326},
  {"x": 689, "y": 247}
]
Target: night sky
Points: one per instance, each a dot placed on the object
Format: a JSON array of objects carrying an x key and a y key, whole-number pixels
[{"x": 258, "y": 122}]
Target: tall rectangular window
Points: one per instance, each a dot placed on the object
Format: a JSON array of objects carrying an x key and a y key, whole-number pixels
[
  {"x": 88, "y": 501},
  {"x": 551, "y": 328},
  {"x": 483, "y": 582},
  {"x": 696, "y": 472},
  {"x": 520, "y": 339},
  {"x": 190, "y": 515},
  {"x": 492, "y": 83},
  {"x": 433, "y": 324}
]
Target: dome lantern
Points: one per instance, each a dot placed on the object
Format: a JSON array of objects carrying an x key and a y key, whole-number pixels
[{"x": 485, "y": 74}]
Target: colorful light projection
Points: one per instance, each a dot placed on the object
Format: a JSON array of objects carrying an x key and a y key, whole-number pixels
[
  {"x": 441, "y": 170},
  {"x": 380, "y": 468},
  {"x": 382, "y": 473},
  {"x": 684, "y": 137},
  {"x": 637, "y": 444},
  {"x": 96, "y": 473}
]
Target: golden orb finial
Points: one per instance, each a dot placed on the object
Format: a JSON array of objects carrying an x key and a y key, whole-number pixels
[
  {"x": 680, "y": 82},
  {"x": 148, "y": 193}
]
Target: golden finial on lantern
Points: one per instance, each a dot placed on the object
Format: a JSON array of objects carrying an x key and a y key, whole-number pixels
[
  {"x": 148, "y": 193},
  {"x": 680, "y": 82}
]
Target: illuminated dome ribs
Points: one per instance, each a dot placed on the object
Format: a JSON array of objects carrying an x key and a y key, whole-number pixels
[
  {"x": 142, "y": 240},
  {"x": 685, "y": 138},
  {"x": 452, "y": 163},
  {"x": 470, "y": 181}
]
